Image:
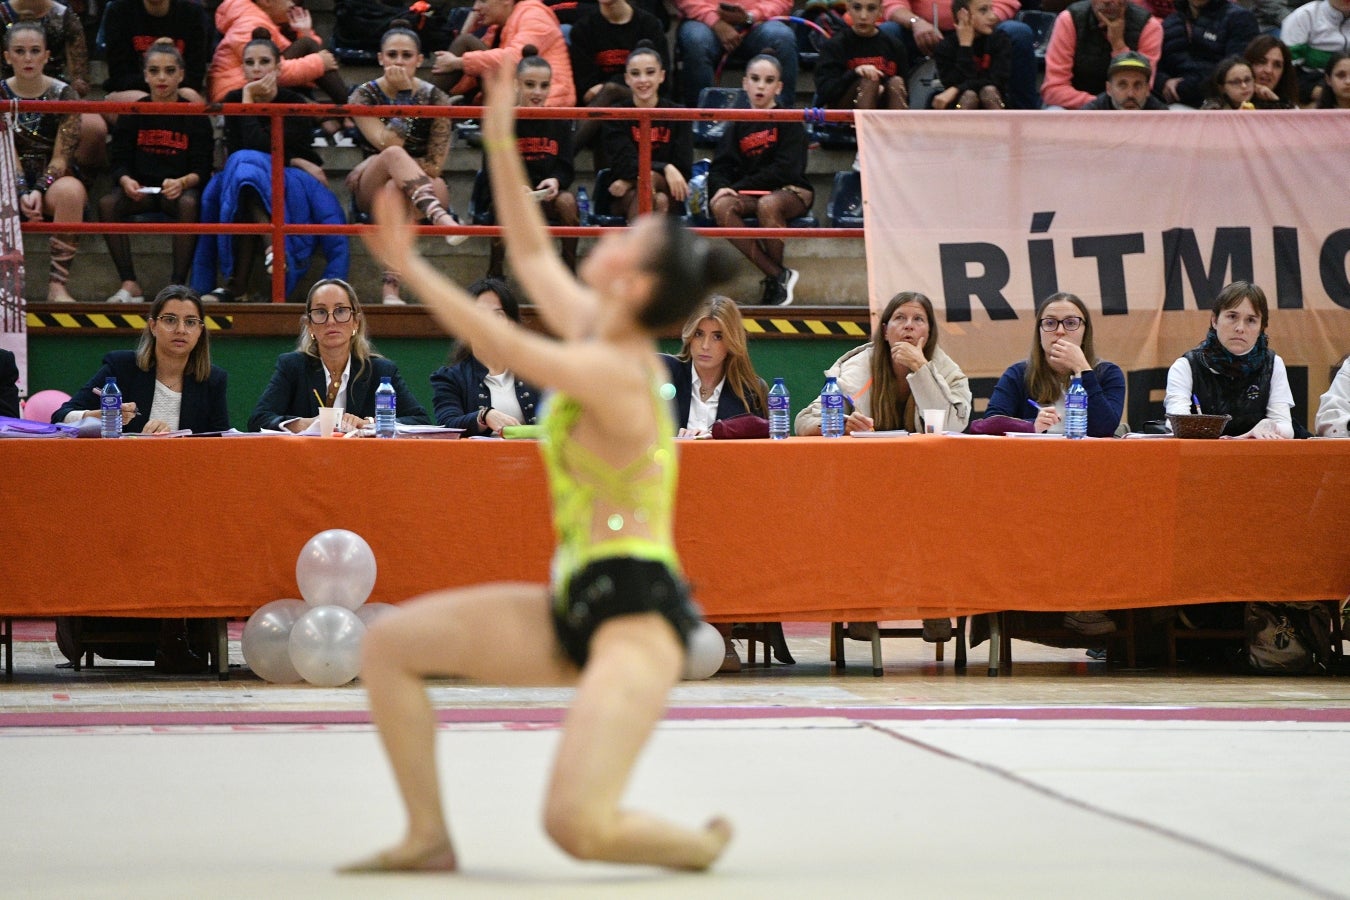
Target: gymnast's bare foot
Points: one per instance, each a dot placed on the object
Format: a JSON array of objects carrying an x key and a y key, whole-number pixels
[
  {"x": 407, "y": 857},
  {"x": 718, "y": 833}
]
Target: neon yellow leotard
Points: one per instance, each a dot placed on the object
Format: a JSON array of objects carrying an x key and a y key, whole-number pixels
[{"x": 585, "y": 487}]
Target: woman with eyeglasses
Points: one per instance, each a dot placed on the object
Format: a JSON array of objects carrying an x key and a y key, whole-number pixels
[
  {"x": 334, "y": 364},
  {"x": 1232, "y": 86},
  {"x": 167, "y": 382},
  {"x": 1061, "y": 347}
]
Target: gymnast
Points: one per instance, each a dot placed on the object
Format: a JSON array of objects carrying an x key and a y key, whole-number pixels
[{"x": 616, "y": 618}]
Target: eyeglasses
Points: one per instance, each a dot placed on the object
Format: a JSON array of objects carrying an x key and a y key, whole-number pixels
[
  {"x": 1240, "y": 82},
  {"x": 1070, "y": 323},
  {"x": 171, "y": 322},
  {"x": 320, "y": 315},
  {"x": 901, "y": 321}
]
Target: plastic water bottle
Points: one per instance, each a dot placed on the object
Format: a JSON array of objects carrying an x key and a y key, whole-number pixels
[
  {"x": 386, "y": 408},
  {"x": 831, "y": 409},
  {"x": 1075, "y": 409},
  {"x": 583, "y": 205},
  {"x": 780, "y": 410},
  {"x": 697, "y": 203},
  {"x": 111, "y": 409}
]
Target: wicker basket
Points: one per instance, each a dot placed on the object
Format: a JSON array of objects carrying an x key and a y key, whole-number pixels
[{"x": 1197, "y": 427}]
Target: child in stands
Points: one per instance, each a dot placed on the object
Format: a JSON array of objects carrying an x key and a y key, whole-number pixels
[
  {"x": 672, "y": 142},
  {"x": 975, "y": 60},
  {"x": 862, "y": 67}
]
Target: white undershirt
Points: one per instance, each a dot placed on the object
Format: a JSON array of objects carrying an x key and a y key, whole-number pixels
[
  {"x": 703, "y": 413},
  {"x": 502, "y": 393},
  {"x": 167, "y": 406},
  {"x": 1177, "y": 401}
]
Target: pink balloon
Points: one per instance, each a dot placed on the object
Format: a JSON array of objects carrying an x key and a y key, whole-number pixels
[{"x": 41, "y": 405}]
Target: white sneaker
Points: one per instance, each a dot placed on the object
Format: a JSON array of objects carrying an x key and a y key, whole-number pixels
[
  {"x": 857, "y": 162},
  {"x": 787, "y": 279},
  {"x": 393, "y": 300},
  {"x": 124, "y": 296},
  {"x": 454, "y": 240}
]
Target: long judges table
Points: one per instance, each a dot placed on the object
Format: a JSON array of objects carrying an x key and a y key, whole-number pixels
[{"x": 806, "y": 529}]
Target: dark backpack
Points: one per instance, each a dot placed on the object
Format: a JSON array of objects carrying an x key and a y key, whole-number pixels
[
  {"x": 360, "y": 24},
  {"x": 1290, "y": 638}
]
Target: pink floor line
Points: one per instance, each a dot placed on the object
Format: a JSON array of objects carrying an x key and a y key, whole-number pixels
[{"x": 554, "y": 715}]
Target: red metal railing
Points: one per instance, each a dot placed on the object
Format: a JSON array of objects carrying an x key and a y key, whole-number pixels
[{"x": 278, "y": 228}]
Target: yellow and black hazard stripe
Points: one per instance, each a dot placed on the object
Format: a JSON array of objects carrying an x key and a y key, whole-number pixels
[
  {"x": 109, "y": 321},
  {"x": 777, "y": 327}
]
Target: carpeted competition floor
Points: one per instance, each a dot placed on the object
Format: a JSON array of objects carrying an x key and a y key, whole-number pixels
[{"x": 1067, "y": 779}]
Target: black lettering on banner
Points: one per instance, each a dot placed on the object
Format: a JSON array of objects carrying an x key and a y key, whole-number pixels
[
  {"x": 1140, "y": 385},
  {"x": 1232, "y": 252},
  {"x": 1041, "y": 257},
  {"x": 1109, "y": 250},
  {"x": 959, "y": 285},
  {"x": 1288, "y": 270},
  {"x": 1332, "y": 264}
]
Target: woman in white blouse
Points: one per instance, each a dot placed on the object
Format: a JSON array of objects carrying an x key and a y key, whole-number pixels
[{"x": 712, "y": 374}]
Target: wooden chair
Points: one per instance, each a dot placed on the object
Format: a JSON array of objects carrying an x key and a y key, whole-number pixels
[
  {"x": 1011, "y": 626},
  {"x": 769, "y": 635},
  {"x": 839, "y": 631}
]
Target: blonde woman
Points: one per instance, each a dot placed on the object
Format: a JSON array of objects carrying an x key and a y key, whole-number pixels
[{"x": 712, "y": 374}]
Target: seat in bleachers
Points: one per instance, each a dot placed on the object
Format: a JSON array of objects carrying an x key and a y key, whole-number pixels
[
  {"x": 708, "y": 133},
  {"x": 602, "y": 203},
  {"x": 845, "y": 209}
]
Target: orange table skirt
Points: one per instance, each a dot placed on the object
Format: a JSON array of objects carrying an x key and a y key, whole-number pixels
[{"x": 806, "y": 529}]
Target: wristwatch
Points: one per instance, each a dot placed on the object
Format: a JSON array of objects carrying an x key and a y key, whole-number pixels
[{"x": 913, "y": 20}]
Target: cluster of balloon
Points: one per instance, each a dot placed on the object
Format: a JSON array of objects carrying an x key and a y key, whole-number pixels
[{"x": 318, "y": 639}]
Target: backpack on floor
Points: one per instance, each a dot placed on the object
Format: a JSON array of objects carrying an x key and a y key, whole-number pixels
[{"x": 1289, "y": 638}]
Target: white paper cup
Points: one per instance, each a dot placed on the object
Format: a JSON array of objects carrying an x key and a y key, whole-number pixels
[
  {"x": 934, "y": 421},
  {"x": 329, "y": 418}
]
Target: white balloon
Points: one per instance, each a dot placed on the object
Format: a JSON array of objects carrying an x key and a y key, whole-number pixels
[
  {"x": 369, "y": 612},
  {"x": 705, "y": 654},
  {"x": 326, "y": 645},
  {"x": 267, "y": 640},
  {"x": 336, "y": 568}
]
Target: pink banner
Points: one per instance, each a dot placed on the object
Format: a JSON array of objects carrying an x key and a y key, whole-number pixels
[{"x": 1144, "y": 215}]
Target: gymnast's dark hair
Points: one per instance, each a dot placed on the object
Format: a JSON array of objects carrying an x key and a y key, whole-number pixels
[
  {"x": 645, "y": 47},
  {"x": 264, "y": 37},
  {"x": 403, "y": 27},
  {"x": 769, "y": 56},
  {"x": 687, "y": 268},
  {"x": 530, "y": 59}
]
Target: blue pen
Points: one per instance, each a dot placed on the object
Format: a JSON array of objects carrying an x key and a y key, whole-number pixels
[
  {"x": 1034, "y": 405},
  {"x": 1196, "y": 401}
]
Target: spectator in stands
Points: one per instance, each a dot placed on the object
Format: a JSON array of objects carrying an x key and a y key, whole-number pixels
[
  {"x": 68, "y": 62},
  {"x": 242, "y": 191},
  {"x": 9, "y": 385},
  {"x": 167, "y": 382},
  {"x": 1313, "y": 32},
  {"x": 714, "y": 33},
  {"x": 513, "y": 25},
  {"x": 713, "y": 376},
  {"x": 862, "y": 67},
  {"x": 1196, "y": 37},
  {"x": 760, "y": 171},
  {"x": 131, "y": 26},
  {"x": 921, "y": 24},
  {"x": 1273, "y": 67},
  {"x": 409, "y": 152},
  {"x": 973, "y": 61},
  {"x": 1336, "y": 92},
  {"x": 1061, "y": 347},
  {"x": 1127, "y": 85},
  {"x": 891, "y": 380},
  {"x": 160, "y": 163},
  {"x": 672, "y": 143},
  {"x": 1233, "y": 371},
  {"x": 49, "y": 186},
  {"x": 1231, "y": 86},
  {"x": 481, "y": 395},
  {"x": 546, "y": 147},
  {"x": 334, "y": 360},
  {"x": 1087, "y": 37},
  {"x": 304, "y": 61},
  {"x": 601, "y": 41},
  {"x": 1333, "y": 409}
]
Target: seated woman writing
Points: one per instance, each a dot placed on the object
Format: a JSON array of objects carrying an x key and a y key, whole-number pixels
[
  {"x": 1234, "y": 372},
  {"x": 476, "y": 392},
  {"x": 334, "y": 364}
]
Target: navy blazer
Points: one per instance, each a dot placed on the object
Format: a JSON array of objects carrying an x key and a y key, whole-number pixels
[
  {"x": 300, "y": 379},
  {"x": 9, "y": 385},
  {"x": 682, "y": 376},
  {"x": 204, "y": 407},
  {"x": 460, "y": 391}
]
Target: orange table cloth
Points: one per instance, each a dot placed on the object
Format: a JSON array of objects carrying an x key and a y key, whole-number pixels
[{"x": 804, "y": 529}]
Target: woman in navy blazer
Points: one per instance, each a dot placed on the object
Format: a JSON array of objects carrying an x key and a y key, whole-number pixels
[
  {"x": 167, "y": 382},
  {"x": 715, "y": 355},
  {"x": 481, "y": 397},
  {"x": 333, "y": 353}
]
